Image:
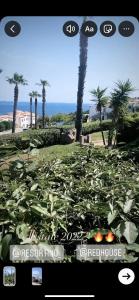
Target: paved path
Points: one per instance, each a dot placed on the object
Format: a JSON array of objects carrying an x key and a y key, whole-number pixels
[{"x": 10, "y": 131}]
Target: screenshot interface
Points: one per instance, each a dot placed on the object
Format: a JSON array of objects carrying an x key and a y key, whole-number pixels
[{"x": 69, "y": 155}]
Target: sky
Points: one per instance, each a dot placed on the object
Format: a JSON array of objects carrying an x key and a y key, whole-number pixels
[
  {"x": 9, "y": 270},
  {"x": 42, "y": 51},
  {"x": 37, "y": 272}
]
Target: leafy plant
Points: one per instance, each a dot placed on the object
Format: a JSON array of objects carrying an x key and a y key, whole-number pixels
[{"x": 92, "y": 188}]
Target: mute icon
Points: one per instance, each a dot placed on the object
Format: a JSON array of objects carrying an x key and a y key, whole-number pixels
[{"x": 70, "y": 28}]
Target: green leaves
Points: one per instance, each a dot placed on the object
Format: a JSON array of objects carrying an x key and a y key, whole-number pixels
[
  {"x": 22, "y": 231},
  {"x": 5, "y": 245},
  {"x": 130, "y": 232},
  {"x": 34, "y": 187},
  {"x": 128, "y": 205},
  {"x": 40, "y": 211},
  {"x": 133, "y": 247},
  {"x": 112, "y": 216},
  {"x": 92, "y": 188}
]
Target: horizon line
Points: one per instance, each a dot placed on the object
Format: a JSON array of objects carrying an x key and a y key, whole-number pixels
[{"x": 20, "y": 101}]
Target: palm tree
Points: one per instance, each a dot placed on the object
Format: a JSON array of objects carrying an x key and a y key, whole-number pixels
[
  {"x": 16, "y": 80},
  {"x": 31, "y": 95},
  {"x": 81, "y": 81},
  {"x": 119, "y": 99},
  {"x": 102, "y": 101},
  {"x": 119, "y": 102},
  {"x": 35, "y": 95},
  {"x": 43, "y": 83},
  {"x": 0, "y": 70}
]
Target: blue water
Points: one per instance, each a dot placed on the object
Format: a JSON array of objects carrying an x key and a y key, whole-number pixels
[{"x": 51, "y": 108}]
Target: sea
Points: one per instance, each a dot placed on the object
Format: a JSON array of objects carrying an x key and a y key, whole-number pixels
[{"x": 50, "y": 109}]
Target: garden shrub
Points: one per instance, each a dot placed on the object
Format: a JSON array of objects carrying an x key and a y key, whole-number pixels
[
  {"x": 5, "y": 125},
  {"x": 92, "y": 188},
  {"x": 129, "y": 130},
  {"x": 46, "y": 137},
  {"x": 95, "y": 126}
]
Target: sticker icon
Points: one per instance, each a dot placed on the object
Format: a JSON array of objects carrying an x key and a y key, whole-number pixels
[
  {"x": 109, "y": 237},
  {"x": 107, "y": 28},
  {"x": 98, "y": 237}
]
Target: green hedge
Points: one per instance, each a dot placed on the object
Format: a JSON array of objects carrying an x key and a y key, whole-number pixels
[
  {"x": 129, "y": 131},
  {"x": 91, "y": 127},
  {"x": 95, "y": 126},
  {"x": 5, "y": 125},
  {"x": 40, "y": 138},
  {"x": 91, "y": 187},
  {"x": 47, "y": 137}
]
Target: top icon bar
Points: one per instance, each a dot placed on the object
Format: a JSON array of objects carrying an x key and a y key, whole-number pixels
[{"x": 107, "y": 28}]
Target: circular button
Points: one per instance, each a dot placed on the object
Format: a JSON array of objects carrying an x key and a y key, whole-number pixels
[
  {"x": 107, "y": 28},
  {"x": 12, "y": 28},
  {"x": 126, "y": 28},
  {"x": 89, "y": 28},
  {"x": 70, "y": 28},
  {"x": 126, "y": 276}
]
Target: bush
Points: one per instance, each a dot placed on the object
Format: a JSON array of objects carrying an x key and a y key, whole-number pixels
[
  {"x": 39, "y": 138},
  {"x": 93, "y": 188},
  {"x": 129, "y": 130},
  {"x": 2, "y": 126},
  {"x": 5, "y": 125},
  {"x": 49, "y": 136},
  {"x": 95, "y": 126},
  {"x": 91, "y": 127}
]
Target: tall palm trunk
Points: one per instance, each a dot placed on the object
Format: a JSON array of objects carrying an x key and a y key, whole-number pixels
[
  {"x": 15, "y": 107},
  {"x": 111, "y": 132},
  {"x": 30, "y": 112},
  {"x": 81, "y": 81},
  {"x": 43, "y": 107},
  {"x": 100, "y": 118},
  {"x": 35, "y": 113}
]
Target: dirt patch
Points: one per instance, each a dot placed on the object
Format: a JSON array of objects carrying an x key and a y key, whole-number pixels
[
  {"x": 5, "y": 163},
  {"x": 98, "y": 143}
]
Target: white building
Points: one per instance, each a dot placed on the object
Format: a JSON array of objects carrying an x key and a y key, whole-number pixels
[
  {"x": 133, "y": 105},
  {"x": 22, "y": 119},
  {"x": 5, "y": 118}
]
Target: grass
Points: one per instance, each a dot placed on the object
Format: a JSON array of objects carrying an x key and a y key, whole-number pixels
[
  {"x": 48, "y": 153},
  {"x": 98, "y": 135},
  {"x": 57, "y": 151},
  {"x": 45, "y": 154}
]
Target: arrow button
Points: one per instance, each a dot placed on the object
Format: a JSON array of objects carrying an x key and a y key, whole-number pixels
[
  {"x": 12, "y": 28},
  {"x": 126, "y": 276}
]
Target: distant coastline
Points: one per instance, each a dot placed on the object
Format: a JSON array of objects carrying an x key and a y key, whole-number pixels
[{"x": 51, "y": 108}]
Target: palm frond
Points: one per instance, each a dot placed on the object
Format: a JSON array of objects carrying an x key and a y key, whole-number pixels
[
  {"x": 43, "y": 83},
  {"x": 35, "y": 94},
  {"x": 17, "y": 79}
]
